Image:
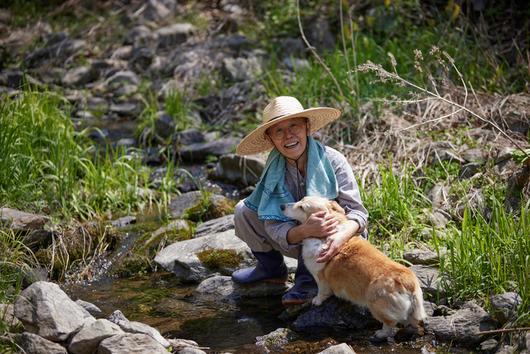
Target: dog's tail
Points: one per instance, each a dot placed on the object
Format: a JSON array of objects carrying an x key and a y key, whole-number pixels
[{"x": 417, "y": 312}]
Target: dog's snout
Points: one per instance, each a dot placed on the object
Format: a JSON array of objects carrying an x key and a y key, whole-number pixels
[{"x": 282, "y": 207}]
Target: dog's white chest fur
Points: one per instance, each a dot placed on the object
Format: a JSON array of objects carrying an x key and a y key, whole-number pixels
[{"x": 310, "y": 251}]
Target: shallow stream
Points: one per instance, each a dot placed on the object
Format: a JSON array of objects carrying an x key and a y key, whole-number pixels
[{"x": 161, "y": 301}]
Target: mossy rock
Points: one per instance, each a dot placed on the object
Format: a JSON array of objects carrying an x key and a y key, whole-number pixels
[
  {"x": 210, "y": 207},
  {"x": 177, "y": 230},
  {"x": 133, "y": 264},
  {"x": 220, "y": 259}
]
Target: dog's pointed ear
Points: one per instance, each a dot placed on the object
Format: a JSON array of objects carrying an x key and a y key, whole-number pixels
[{"x": 335, "y": 206}]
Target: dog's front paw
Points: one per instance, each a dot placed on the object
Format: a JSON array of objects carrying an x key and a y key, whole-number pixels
[{"x": 317, "y": 300}]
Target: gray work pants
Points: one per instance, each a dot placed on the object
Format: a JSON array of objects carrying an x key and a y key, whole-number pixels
[{"x": 252, "y": 231}]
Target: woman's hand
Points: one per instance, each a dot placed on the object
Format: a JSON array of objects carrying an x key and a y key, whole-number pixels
[
  {"x": 334, "y": 242},
  {"x": 321, "y": 224}
]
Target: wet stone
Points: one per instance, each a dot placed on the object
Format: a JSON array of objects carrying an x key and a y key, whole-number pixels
[
  {"x": 334, "y": 314},
  {"x": 342, "y": 348},
  {"x": 222, "y": 288},
  {"x": 182, "y": 258},
  {"x": 276, "y": 340}
]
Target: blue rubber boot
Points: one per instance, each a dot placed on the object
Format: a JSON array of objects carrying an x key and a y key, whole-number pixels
[
  {"x": 304, "y": 288},
  {"x": 270, "y": 268}
]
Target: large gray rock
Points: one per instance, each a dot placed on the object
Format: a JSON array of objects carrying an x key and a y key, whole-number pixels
[
  {"x": 181, "y": 257},
  {"x": 87, "y": 340},
  {"x": 34, "y": 344},
  {"x": 334, "y": 314},
  {"x": 130, "y": 343},
  {"x": 463, "y": 326},
  {"x": 46, "y": 310},
  {"x": 243, "y": 170},
  {"x": 222, "y": 288},
  {"x": 137, "y": 327},
  {"x": 198, "y": 152},
  {"x": 174, "y": 35},
  {"x": 215, "y": 226}
]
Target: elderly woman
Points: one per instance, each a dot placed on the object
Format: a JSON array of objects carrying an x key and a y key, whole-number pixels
[{"x": 296, "y": 167}]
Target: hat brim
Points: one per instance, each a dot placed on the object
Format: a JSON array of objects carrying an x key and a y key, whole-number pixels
[{"x": 257, "y": 141}]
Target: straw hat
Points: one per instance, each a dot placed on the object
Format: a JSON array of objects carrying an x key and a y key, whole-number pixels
[{"x": 279, "y": 109}]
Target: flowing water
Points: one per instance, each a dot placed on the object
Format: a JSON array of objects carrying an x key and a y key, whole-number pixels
[{"x": 161, "y": 301}]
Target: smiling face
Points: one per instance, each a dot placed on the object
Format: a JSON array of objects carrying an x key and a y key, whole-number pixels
[{"x": 290, "y": 137}]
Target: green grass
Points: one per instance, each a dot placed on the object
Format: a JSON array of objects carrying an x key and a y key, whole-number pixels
[
  {"x": 48, "y": 167},
  {"x": 485, "y": 256},
  {"x": 15, "y": 260}
]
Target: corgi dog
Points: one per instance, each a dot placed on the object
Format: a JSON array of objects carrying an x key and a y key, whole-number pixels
[{"x": 360, "y": 273}]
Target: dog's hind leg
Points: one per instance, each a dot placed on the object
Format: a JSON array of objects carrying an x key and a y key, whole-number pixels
[{"x": 324, "y": 292}]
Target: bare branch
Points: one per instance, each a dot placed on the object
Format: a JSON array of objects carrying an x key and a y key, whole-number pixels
[{"x": 313, "y": 51}]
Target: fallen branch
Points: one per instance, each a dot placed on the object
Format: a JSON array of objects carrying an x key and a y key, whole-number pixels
[{"x": 503, "y": 330}]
